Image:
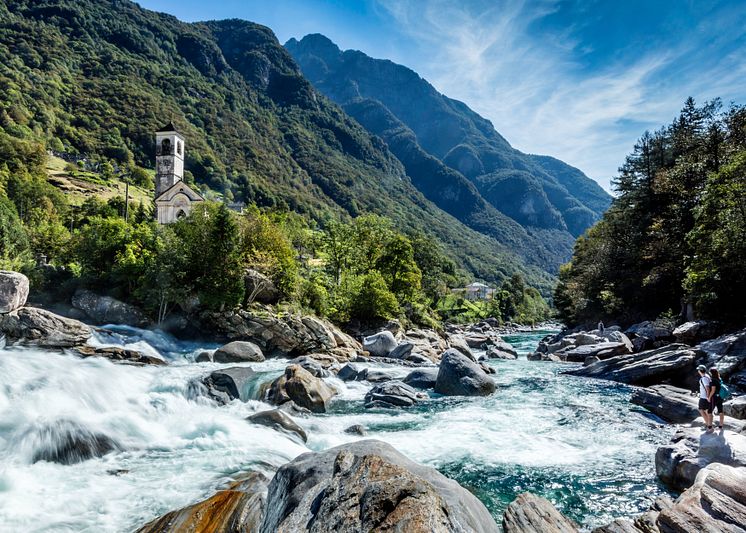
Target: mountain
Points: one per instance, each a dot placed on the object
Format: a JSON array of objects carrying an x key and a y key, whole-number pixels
[
  {"x": 96, "y": 78},
  {"x": 454, "y": 156}
]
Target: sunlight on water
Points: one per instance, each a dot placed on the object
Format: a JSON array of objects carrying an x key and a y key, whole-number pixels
[{"x": 574, "y": 441}]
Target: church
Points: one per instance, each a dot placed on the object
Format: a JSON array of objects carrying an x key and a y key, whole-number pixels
[{"x": 174, "y": 199}]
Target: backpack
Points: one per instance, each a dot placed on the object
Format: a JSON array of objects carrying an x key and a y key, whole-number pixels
[{"x": 724, "y": 392}]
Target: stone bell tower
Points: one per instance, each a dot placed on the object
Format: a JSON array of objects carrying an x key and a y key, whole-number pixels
[{"x": 169, "y": 158}]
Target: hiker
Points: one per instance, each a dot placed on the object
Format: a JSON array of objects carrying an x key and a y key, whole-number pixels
[
  {"x": 716, "y": 400},
  {"x": 601, "y": 327},
  {"x": 704, "y": 396}
]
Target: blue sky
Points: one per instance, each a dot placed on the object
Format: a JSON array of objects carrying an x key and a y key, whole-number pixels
[{"x": 576, "y": 79}]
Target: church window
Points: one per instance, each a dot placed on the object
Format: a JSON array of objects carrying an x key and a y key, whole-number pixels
[
  {"x": 166, "y": 147},
  {"x": 178, "y": 147},
  {"x": 180, "y": 214}
]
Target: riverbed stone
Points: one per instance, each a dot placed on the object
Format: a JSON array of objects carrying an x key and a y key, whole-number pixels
[
  {"x": 228, "y": 384},
  {"x": 693, "y": 333},
  {"x": 356, "y": 429},
  {"x": 495, "y": 352},
  {"x": 280, "y": 421},
  {"x": 727, "y": 353},
  {"x": 119, "y": 354},
  {"x": 238, "y": 352},
  {"x": 672, "y": 404},
  {"x": 393, "y": 394},
  {"x": 203, "y": 357},
  {"x": 349, "y": 372},
  {"x": 460, "y": 376},
  {"x": 402, "y": 351},
  {"x": 422, "y": 378},
  {"x": 107, "y": 310},
  {"x": 302, "y": 388},
  {"x": 457, "y": 342},
  {"x": 68, "y": 442},
  {"x": 313, "y": 366},
  {"x": 380, "y": 344},
  {"x": 736, "y": 408},
  {"x": 14, "y": 288},
  {"x": 530, "y": 513},
  {"x": 602, "y": 350},
  {"x": 31, "y": 326},
  {"x": 374, "y": 375},
  {"x": 368, "y": 486}
]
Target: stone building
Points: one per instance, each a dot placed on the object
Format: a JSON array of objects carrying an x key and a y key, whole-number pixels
[{"x": 173, "y": 198}]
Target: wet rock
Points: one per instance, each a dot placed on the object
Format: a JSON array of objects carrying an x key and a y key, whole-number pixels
[
  {"x": 279, "y": 420},
  {"x": 261, "y": 288},
  {"x": 369, "y": 486},
  {"x": 530, "y": 513},
  {"x": 418, "y": 359},
  {"x": 715, "y": 503},
  {"x": 228, "y": 384},
  {"x": 203, "y": 357},
  {"x": 460, "y": 376},
  {"x": 237, "y": 509},
  {"x": 238, "y": 352},
  {"x": 120, "y": 355},
  {"x": 477, "y": 341},
  {"x": 107, "y": 310},
  {"x": 393, "y": 394},
  {"x": 349, "y": 372},
  {"x": 14, "y": 288},
  {"x": 299, "y": 386},
  {"x": 30, "y": 326},
  {"x": 675, "y": 363},
  {"x": 427, "y": 342},
  {"x": 422, "y": 378},
  {"x": 591, "y": 359},
  {"x": 67, "y": 442},
  {"x": 314, "y": 367},
  {"x": 402, "y": 351},
  {"x": 672, "y": 404},
  {"x": 678, "y": 463},
  {"x": 540, "y": 356},
  {"x": 356, "y": 429},
  {"x": 494, "y": 352},
  {"x": 736, "y": 408},
  {"x": 457, "y": 342},
  {"x": 374, "y": 375},
  {"x": 603, "y": 350},
  {"x": 380, "y": 344},
  {"x": 693, "y": 333}
]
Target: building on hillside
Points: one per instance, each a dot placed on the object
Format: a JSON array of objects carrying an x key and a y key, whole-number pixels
[
  {"x": 174, "y": 199},
  {"x": 476, "y": 291}
]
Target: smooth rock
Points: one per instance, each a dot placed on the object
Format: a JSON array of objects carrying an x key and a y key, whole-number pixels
[
  {"x": 14, "y": 288},
  {"x": 108, "y": 310},
  {"x": 238, "y": 352},
  {"x": 368, "y": 486},
  {"x": 31, "y": 326},
  {"x": 279, "y": 420},
  {"x": 392, "y": 394},
  {"x": 530, "y": 513},
  {"x": 299, "y": 386},
  {"x": 119, "y": 354},
  {"x": 422, "y": 378},
  {"x": 477, "y": 341},
  {"x": 349, "y": 372},
  {"x": 228, "y": 384},
  {"x": 591, "y": 359},
  {"x": 602, "y": 350},
  {"x": 495, "y": 352},
  {"x": 402, "y": 351},
  {"x": 727, "y": 353},
  {"x": 374, "y": 375},
  {"x": 203, "y": 357},
  {"x": 693, "y": 333},
  {"x": 672, "y": 404},
  {"x": 460, "y": 376},
  {"x": 356, "y": 429},
  {"x": 67, "y": 442},
  {"x": 427, "y": 342},
  {"x": 457, "y": 342},
  {"x": 651, "y": 330},
  {"x": 736, "y": 408},
  {"x": 314, "y": 367},
  {"x": 237, "y": 509},
  {"x": 381, "y": 344},
  {"x": 417, "y": 359}
]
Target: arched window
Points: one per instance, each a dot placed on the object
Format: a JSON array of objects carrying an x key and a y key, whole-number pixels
[
  {"x": 166, "y": 147},
  {"x": 178, "y": 147},
  {"x": 180, "y": 214}
]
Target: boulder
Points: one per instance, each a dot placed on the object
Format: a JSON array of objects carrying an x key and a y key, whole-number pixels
[
  {"x": 402, "y": 351},
  {"x": 228, "y": 384},
  {"x": 539, "y": 356},
  {"x": 585, "y": 339},
  {"x": 715, "y": 503},
  {"x": 14, "y": 288},
  {"x": 591, "y": 359},
  {"x": 348, "y": 372},
  {"x": 107, "y": 310},
  {"x": 314, "y": 367},
  {"x": 368, "y": 486},
  {"x": 67, "y": 442},
  {"x": 653, "y": 331},
  {"x": 530, "y": 513},
  {"x": 675, "y": 364},
  {"x": 392, "y": 394},
  {"x": 693, "y": 333},
  {"x": 418, "y": 359},
  {"x": 618, "y": 336},
  {"x": 203, "y": 357},
  {"x": 260, "y": 288},
  {"x": 477, "y": 341},
  {"x": 422, "y": 378},
  {"x": 238, "y": 352},
  {"x": 380, "y": 344},
  {"x": 236, "y": 509},
  {"x": 457, "y": 342},
  {"x": 120, "y": 355},
  {"x": 299, "y": 386},
  {"x": 356, "y": 429},
  {"x": 691, "y": 449},
  {"x": 672, "y": 404},
  {"x": 504, "y": 347},
  {"x": 460, "y": 376},
  {"x": 427, "y": 342},
  {"x": 736, "y": 408},
  {"x": 727, "y": 353},
  {"x": 495, "y": 352},
  {"x": 602, "y": 350},
  {"x": 31, "y": 326},
  {"x": 374, "y": 375},
  {"x": 277, "y": 419}
]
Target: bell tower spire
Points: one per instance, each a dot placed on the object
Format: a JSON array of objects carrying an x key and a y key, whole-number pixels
[{"x": 169, "y": 158}]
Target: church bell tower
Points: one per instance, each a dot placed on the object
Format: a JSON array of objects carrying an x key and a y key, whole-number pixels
[{"x": 169, "y": 158}]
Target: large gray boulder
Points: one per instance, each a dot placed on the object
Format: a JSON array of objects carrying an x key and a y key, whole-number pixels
[
  {"x": 238, "y": 352},
  {"x": 675, "y": 364},
  {"x": 460, "y": 376},
  {"x": 736, "y": 408},
  {"x": 368, "y": 486},
  {"x": 299, "y": 386},
  {"x": 499, "y": 352},
  {"x": 67, "y": 442},
  {"x": 235, "y": 509},
  {"x": 691, "y": 449},
  {"x": 380, "y": 344},
  {"x": 392, "y": 394},
  {"x": 422, "y": 378},
  {"x": 280, "y": 421},
  {"x": 602, "y": 350},
  {"x": 14, "y": 288},
  {"x": 693, "y": 333},
  {"x": 31, "y": 326},
  {"x": 427, "y": 342},
  {"x": 672, "y": 404},
  {"x": 653, "y": 331},
  {"x": 119, "y": 355},
  {"x": 715, "y": 503},
  {"x": 458, "y": 342},
  {"x": 107, "y": 310},
  {"x": 228, "y": 384},
  {"x": 530, "y": 513},
  {"x": 402, "y": 351},
  {"x": 727, "y": 353}
]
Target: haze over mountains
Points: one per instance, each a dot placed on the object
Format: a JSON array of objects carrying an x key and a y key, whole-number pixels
[{"x": 453, "y": 155}]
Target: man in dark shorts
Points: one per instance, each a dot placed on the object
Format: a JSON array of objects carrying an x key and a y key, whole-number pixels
[
  {"x": 715, "y": 399},
  {"x": 704, "y": 396}
]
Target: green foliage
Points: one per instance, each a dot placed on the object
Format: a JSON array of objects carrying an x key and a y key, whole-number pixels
[
  {"x": 14, "y": 246},
  {"x": 369, "y": 297},
  {"x": 675, "y": 232}
]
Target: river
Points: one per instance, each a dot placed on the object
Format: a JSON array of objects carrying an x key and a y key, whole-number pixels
[{"x": 578, "y": 442}]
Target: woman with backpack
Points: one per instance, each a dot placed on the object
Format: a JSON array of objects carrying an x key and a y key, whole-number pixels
[{"x": 715, "y": 396}]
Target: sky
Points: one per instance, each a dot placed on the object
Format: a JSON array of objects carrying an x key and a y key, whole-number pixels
[{"x": 580, "y": 80}]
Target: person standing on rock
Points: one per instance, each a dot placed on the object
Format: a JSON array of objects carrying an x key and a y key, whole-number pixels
[
  {"x": 715, "y": 399},
  {"x": 704, "y": 396}
]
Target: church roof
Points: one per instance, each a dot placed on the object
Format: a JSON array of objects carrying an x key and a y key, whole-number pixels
[
  {"x": 175, "y": 189},
  {"x": 168, "y": 127}
]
